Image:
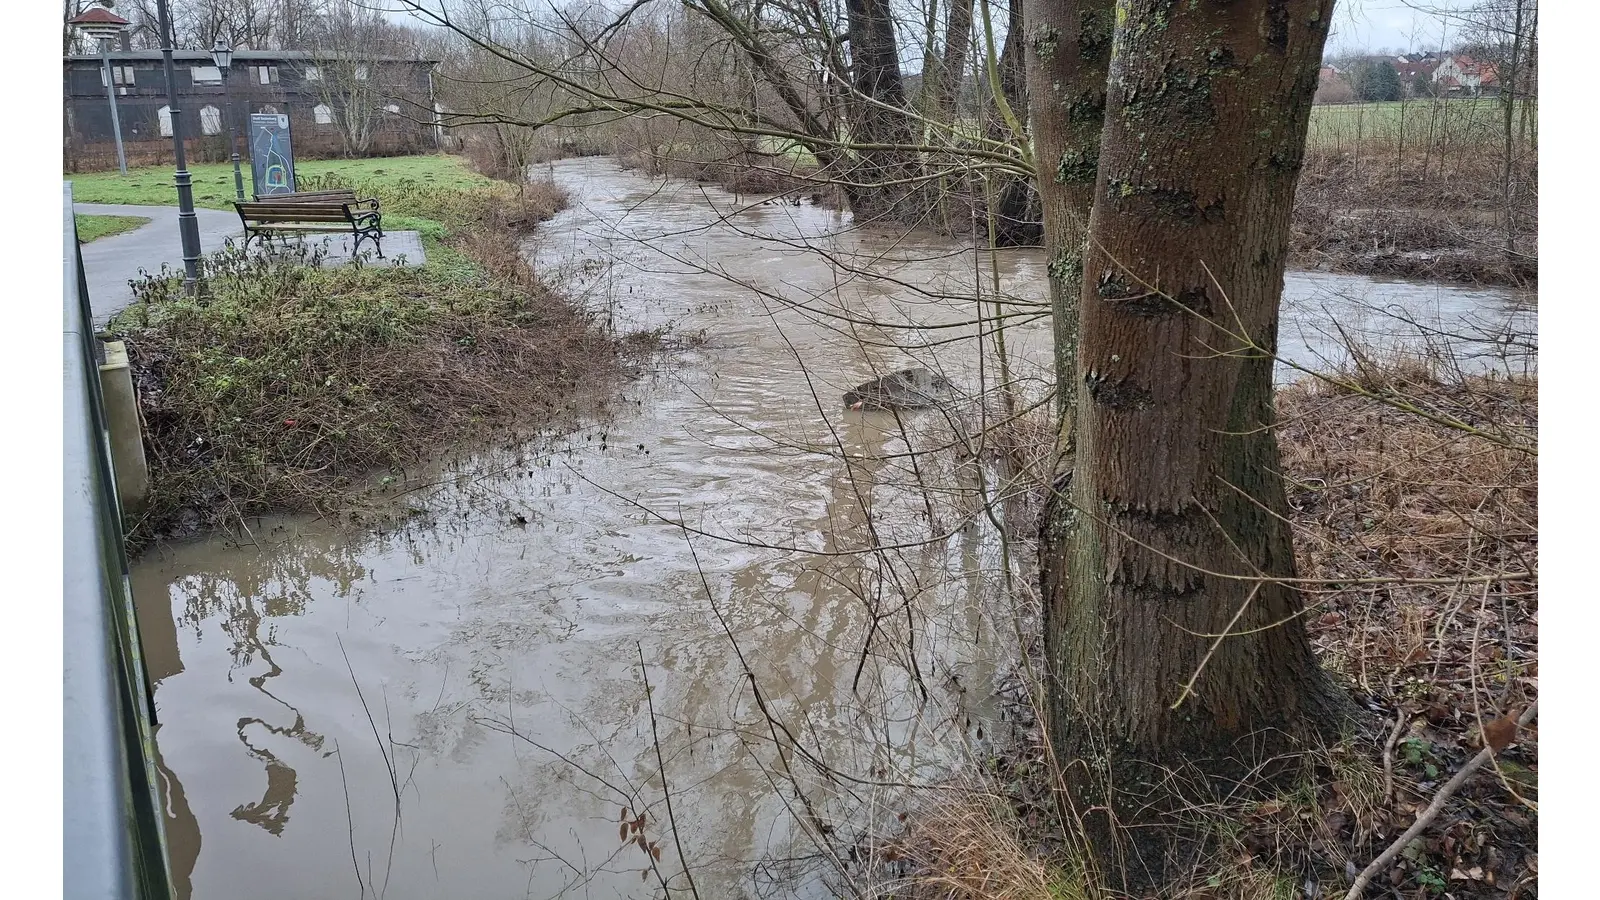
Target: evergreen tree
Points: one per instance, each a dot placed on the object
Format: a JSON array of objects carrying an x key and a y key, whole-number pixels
[{"x": 1378, "y": 80}]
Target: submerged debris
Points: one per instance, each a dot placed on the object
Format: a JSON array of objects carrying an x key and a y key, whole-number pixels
[{"x": 912, "y": 388}]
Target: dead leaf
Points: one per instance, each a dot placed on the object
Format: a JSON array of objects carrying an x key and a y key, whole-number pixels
[
  {"x": 644, "y": 874},
  {"x": 642, "y": 845},
  {"x": 655, "y": 851},
  {"x": 1502, "y": 731},
  {"x": 622, "y": 833},
  {"x": 626, "y": 814}
]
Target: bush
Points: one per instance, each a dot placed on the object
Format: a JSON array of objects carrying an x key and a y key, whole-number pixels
[{"x": 287, "y": 384}]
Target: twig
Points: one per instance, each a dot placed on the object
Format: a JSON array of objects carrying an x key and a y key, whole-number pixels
[
  {"x": 1431, "y": 813},
  {"x": 1388, "y": 756},
  {"x": 666, "y": 791},
  {"x": 350, "y": 822}
]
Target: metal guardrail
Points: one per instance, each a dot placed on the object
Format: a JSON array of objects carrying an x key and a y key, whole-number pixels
[{"x": 114, "y": 840}]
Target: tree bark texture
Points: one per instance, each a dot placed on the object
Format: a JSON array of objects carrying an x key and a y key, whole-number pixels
[
  {"x": 877, "y": 187},
  {"x": 1068, "y": 51},
  {"x": 952, "y": 68},
  {"x": 1178, "y": 529}
]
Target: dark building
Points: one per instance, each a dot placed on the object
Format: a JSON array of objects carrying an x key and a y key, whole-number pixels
[{"x": 336, "y": 105}]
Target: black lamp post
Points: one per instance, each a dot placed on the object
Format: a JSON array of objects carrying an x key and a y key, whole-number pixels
[
  {"x": 222, "y": 55},
  {"x": 188, "y": 225}
]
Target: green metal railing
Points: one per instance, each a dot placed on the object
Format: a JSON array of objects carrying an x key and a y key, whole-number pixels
[{"x": 114, "y": 842}]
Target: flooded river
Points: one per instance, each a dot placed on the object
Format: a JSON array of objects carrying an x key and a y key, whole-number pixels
[{"x": 458, "y": 708}]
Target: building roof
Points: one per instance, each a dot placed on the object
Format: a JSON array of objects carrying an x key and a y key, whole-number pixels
[
  {"x": 99, "y": 15},
  {"x": 241, "y": 56}
]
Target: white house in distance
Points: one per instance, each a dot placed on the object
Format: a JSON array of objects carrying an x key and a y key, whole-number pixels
[{"x": 1465, "y": 75}]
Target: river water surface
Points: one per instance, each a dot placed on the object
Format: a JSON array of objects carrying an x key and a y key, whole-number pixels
[{"x": 457, "y": 708}]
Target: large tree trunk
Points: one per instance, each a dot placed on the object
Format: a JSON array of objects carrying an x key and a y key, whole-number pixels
[
  {"x": 1179, "y": 530},
  {"x": 949, "y": 72},
  {"x": 1068, "y": 50},
  {"x": 878, "y": 185},
  {"x": 1017, "y": 201}
]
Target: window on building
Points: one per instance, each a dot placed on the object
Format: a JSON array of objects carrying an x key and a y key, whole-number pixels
[
  {"x": 205, "y": 74},
  {"x": 361, "y": 72},
  {"x": 119, "y": 74},
  {"x": 323, "y": 114},
  {"x": 210, "y": 120},
  {"x": 313, "y": 73},
  {"x": 264, "y": 74},
  {"x": 164, "y": 115},
  {"x": 392, "y": 108}
]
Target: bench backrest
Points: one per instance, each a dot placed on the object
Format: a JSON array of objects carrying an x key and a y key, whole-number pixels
[
  {"x": 309, "y": 196},
  {"x": 305, "y": 211}
]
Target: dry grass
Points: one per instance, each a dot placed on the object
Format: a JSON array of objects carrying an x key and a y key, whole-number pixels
[
  {"x": 1395, "y": 476},
  {"x": 967, "y": 846},
  {"x": 1439, "y": 217}
]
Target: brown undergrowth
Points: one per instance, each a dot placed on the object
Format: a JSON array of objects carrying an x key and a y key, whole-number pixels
[
  {"x": 1414, "y": 502},
  {"x": 1370, "y": 212},
  {"x": 760, "y": 174},
  {"x": 287, "y": 386}
]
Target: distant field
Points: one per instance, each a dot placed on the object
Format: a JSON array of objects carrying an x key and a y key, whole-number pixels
[
  {"x": 1408, "y": 121},
  {"x": 213, "y": 182}
]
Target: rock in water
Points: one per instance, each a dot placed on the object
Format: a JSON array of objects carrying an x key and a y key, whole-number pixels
[{"x": 906, "y": 389}]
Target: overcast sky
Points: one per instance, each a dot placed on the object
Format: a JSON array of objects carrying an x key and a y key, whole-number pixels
[
  {"x": 1393, "y": 24},
  {"x": 1400, "y": 25}
]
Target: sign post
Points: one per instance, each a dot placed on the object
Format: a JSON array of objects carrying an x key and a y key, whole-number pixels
[{"x": 271, "y": 155}]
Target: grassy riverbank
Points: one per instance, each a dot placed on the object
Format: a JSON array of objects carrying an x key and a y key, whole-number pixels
[{"x": 287, "y": 386}]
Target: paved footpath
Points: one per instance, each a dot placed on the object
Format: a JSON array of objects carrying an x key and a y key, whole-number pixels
[{"x": 111, "y": 262}]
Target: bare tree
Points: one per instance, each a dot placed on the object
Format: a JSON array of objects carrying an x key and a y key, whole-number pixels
[
  {"x": 351, "y": 46},
  {"x": 1505, "y": 35}
]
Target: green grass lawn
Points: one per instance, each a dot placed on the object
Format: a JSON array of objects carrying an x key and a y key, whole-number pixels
[
  {"x": 213, "y": 182},
  {"x": 93, "y": 228},
  {"x": 1463, "y": 121}
]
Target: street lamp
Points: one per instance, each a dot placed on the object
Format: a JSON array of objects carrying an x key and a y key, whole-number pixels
[
  {"x": 188, "y": 225},
  {"x": 104, "y": 25},
  {"x": 222, "y": 55}
]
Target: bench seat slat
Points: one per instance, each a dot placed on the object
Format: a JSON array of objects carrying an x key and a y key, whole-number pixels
[
  {"x": 311, "y": 215},
  {"x": 308, "y": 226}
]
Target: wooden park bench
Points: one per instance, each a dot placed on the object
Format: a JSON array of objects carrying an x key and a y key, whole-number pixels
[
  {"x": 265, "y": 218},
  {"x": 341, "y": 195}
]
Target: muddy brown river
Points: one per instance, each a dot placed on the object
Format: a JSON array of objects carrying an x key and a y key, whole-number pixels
[{"x": 457, "y": 708}]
